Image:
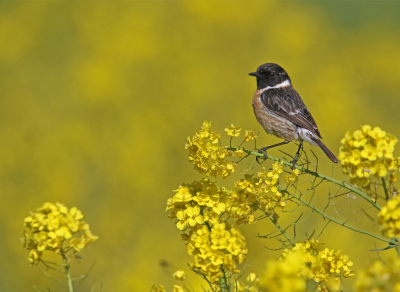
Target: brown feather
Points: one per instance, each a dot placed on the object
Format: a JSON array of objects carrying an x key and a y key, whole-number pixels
[
  {"x": 287, "y": 103},
  {"x": 328, "y": 152}
]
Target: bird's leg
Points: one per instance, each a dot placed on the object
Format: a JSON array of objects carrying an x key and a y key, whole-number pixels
[
  {"x": 296, "y": 157},
  {"x": 264, "y": 149}
]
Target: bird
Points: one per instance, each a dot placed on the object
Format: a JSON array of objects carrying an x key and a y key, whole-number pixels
[{"x": 281, "y": 111}]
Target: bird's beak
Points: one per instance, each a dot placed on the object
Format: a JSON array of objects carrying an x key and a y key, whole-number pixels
[{"x": 254, "y": 74}]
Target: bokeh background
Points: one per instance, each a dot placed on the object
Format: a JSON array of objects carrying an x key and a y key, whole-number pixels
[{"x": 97, "y": 100}]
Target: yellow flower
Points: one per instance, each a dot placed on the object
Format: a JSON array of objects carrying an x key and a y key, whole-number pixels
[
  {"x": 207, "y": 155},
  {"x": 34, "y": 256},
  {"x": 332, "y": 285},
  {"x": 366, "y": 129},
  {"x": 384, "y": 148},
  {"x": 220, "y": 249},
  {"x": 239, "y": 153},
  {"x": 367, "y": 154},
  {"x": 180, "y": 275},
  {"x": 379, "y": 276},
  {"x": 204, "y": 201},
  {"x": 380, "y": 169},
  {"x": 190, "y": 217},
  {"x": 250, "y": 135},
  {"x": 77, "y": 243},
  {"x": 194, "y": 216},
  {"x": 64, "y": 232},
  {"x": 389, "y": 218},
  {"x": 178, "y": 288},
  {"x": 252, "y": 278},
  {"x": 52, "y": 225},
  {"x": 364, "y": 171},
  {"x": 181, "y": 224},
  {"x": 77, "y": 214},
  {"x": 359, "y": 139},
  {"x": 377, "y": 133},
  {"x": 290, "y": 179},
  {"x": 253, "y": 192},
  {"x": 233, "y": 131},
  {"x": 183, "y": 195},
  {"x": 324, "y": 266},
  {"x": 355, "y": 157},
  {"x": 284, "y": 275}
]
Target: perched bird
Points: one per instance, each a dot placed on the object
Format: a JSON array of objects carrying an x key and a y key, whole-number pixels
[{"x": 281, "y": 111}]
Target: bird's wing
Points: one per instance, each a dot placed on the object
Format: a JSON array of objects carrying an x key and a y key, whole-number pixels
[{"x": 287, "y": 103}]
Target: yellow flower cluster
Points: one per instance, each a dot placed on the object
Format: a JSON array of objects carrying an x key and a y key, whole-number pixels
[
  {"x": 293, "y": 177},
  {"x": 202, "y": 201},
  {"x": 202, "y": 208},
  {"x": 252, "y": 193},
  {"x": 367, "y": 152},
  {"x": 216, "y": 252},
  {"x": 215, "y": 245},
  {"x": 206, "y": 153},
  {"x": 389, "y": 218},
  {"x": 325, "y": 266},
  {"x": 198, "y": 202},
  {"x": 55, "y": 228},
  {"x": 379, "y": 276},
  {"x": 283, "y": 275}
]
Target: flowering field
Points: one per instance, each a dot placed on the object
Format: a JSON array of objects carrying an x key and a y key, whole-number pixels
[{"x": 98, "y": 102}]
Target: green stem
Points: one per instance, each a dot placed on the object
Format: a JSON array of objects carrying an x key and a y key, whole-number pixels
[
  {"x": 225, "y": 286},
  {"x": 316, "y": 174},
  {"x": 331, "y": 219},
  {"x": 67, "y": 267},
  {"x": 278, "y": 226},
  {"x": 385, "y": 189},
  {"x": 70, "y": 283}
]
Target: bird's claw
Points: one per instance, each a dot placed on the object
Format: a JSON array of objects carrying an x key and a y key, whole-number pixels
[
  {"x": 294, "y": 161},
  {"x": 262, "y": 152}
]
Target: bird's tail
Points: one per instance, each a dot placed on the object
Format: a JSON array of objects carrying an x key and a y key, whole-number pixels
[{"x": 328, "y": 152}]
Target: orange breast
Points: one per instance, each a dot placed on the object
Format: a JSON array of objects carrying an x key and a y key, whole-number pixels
[{"x": 271, "y": 122}]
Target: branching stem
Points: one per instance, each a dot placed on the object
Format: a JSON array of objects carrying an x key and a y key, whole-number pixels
[
  {"x": 278, "y": 226},
  {"x": 331, "y": 219},
  {"x": 316, "y": 174}
]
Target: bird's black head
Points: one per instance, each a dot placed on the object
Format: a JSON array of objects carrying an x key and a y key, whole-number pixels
[{"x": 270, "y": 74}]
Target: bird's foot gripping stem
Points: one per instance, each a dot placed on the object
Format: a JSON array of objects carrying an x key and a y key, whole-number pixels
[
  {"x": 294, "y": 161},
  {"x": 262, "y": 151},
  {"x": 296, "y": 157}
]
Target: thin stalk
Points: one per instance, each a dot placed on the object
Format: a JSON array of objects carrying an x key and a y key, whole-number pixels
[
  {"x": 385, "y": 189},
  {"x": 316, "y": 174},
  {"x": 331, "y": 219},
  {"x": 70, "y": 283},
  {"x": 279, "y": 227},
  {"x": 67, "y": 267}
]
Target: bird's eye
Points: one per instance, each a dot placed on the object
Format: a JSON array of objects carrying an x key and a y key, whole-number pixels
[{"x": 272, "y": 74}]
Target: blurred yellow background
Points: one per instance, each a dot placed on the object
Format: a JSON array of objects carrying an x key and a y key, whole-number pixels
[{"x": 98, "y": 98}]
